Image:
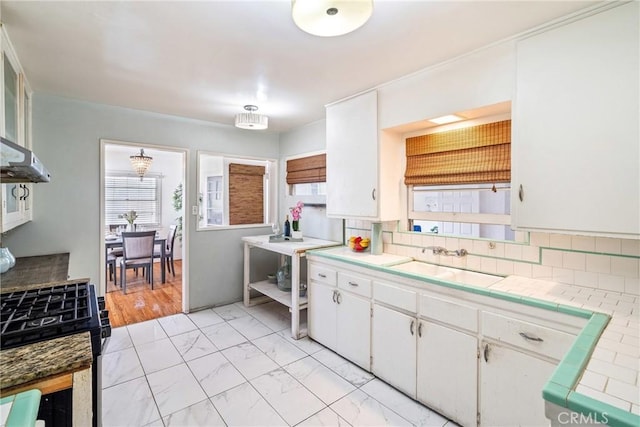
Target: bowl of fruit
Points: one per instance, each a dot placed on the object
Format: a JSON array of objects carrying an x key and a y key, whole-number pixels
[{"x": 359, "y": 244}]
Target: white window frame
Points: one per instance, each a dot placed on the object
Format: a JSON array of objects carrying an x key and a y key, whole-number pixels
[
  {"x": 474, "y": 218},
  {"x": 270, "y": 187}
]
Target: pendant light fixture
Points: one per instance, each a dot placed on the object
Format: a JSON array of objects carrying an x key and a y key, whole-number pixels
[
  {"x": 328, "y": 18},
  {"x": 140, "y": 163},
  {"x": 251, "y": 119}
]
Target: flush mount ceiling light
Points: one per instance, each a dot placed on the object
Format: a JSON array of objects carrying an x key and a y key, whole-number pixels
[
  {"x": 251, "y": 120},
  {"x": 328, "y": 18},
  {"x": 446, "y": 119},
  {"x": 141, "y": 163}
]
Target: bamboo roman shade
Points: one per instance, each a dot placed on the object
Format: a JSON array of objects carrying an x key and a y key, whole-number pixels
[
  {"x": 478, "y": 154},
  {"x": 307, "y": 169},
  {"x": 246, "y": 194}
]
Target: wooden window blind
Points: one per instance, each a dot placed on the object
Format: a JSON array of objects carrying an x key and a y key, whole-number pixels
[
  {"x": 307, "y": 169},
  {"x": 246, "y": 194},
  {"x": 478, "y": 154}
]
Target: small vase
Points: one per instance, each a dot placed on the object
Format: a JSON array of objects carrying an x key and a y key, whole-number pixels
[
  {"x": 295, "y": 227},
  {"x": 7, "y": 260},
  {"x": 131, "y": 228}
]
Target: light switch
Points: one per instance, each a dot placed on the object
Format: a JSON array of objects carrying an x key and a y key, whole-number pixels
[{"x": 194, "y": 210}]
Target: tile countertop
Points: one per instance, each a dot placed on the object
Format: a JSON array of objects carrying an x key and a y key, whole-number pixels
[
  {"x": 601, "y": 372},
  {"x": 33, "y": 363}
]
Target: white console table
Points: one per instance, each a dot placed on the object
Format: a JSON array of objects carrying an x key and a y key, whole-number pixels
[{"x": 270, "y": 291}]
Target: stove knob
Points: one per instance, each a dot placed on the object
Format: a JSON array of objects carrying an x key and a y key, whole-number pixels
[
  {"x": 101, "y": 303},
  {"x": 106, "y": 331}
]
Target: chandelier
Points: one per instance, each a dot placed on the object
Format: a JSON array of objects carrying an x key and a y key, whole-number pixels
[
  {"x": 328, "y": 18},
  {"x": 251, "y": 119},
  {"x": 140, "y": 163}
]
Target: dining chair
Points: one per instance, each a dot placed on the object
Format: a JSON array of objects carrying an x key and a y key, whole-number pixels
[
  {"x": 168, "y": 254},
  {"x": 137, "y": 251}
]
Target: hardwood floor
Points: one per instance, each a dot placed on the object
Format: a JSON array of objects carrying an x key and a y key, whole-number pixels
[{"x": 141, "y": 303}]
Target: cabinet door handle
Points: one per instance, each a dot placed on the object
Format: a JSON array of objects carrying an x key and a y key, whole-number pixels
[
  {"x": 339, "y": 297},
  {"x": 420, "y": 329},
  {"x": 324, "y": 276},
  {"x": 486, "y": 352},
  {"x": 25, "y": 193},
  {"x": 530, "y": 338},
  {"x": 353, "y": 283},
  {"x": 373, "y": 194},
  {"x": 521, "y": 193},
  {"x": 13, "y": 191},
  {"x": 334, "y": 296},
  {"x": 413, "y": 322}
]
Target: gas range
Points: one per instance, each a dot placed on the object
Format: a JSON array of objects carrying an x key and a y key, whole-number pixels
[{"x": 35, "y": 315}]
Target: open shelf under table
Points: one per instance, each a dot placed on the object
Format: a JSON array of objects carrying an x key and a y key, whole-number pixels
[{"x": 271, "y": 290}]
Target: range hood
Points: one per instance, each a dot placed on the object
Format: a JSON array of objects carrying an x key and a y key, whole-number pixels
[{"x": 18, "y": 164}]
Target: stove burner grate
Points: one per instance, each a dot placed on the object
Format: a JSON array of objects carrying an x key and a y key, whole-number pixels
[{"x": 28, "y": 316}]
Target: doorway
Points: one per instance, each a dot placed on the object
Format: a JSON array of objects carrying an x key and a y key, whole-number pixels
[{"x": 157, "y": 198}]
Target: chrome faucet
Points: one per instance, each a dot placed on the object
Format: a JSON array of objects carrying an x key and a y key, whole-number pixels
[{"x": 439, "y": 250}]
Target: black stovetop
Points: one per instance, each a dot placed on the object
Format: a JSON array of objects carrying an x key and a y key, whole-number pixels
[{"x": 36, "y": 315}]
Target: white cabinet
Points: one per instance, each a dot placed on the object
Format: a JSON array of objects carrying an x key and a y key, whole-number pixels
[
  {"x": 15, "y": 125},
  {"x": 393, "y": 348},
  {"x": 364, "y": 172},
  {"x": 511, "y": 387},
  {"x": 339, "y": 319},
  {"x": 448, "y": 372},
  {"x": 576, "y": 127}
]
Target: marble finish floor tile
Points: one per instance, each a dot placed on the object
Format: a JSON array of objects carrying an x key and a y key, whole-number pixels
[
  {"x": 360, "y": 409},
  {"x": 230, "y": 312},
  {"x": 192, "y": 345},
  {"x": 175, "y": 388},
  {"x": 243, "y": 406},
  {"x": 158, "y": 355},
  {"x": 120, "y": 366},
  {"x": 204, "y": 318},
  {"x": 227, "y": 366},
  {"x": 215, "y": 373},
  {"x": 129, "y": 404},
  {"x": 223, "y": 336},
  {"x": 119, "y": 340},
  {"x": 402, "y": 405},
  {"x": 249, "y": 360},
  {"x": 201, "y": 414},
  {"x": 145, "y": 332},
  {"x": 325, "y": 418},
  {"x": 322, "y": 381},
  {"x": 278, "y": 349},
  {"x": 347, "y": 370},
  {"x": 287, "y": 396},
  {"x": 250, "y": 327},
  {"x": 177, "y": 324}
]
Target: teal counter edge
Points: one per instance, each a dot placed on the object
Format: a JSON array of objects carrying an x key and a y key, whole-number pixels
[{"x": 559, "y": 389}]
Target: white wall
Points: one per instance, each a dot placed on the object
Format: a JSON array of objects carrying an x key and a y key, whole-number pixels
[
  {"x": 314, "y": 222},
  {"x": 66, "y": 135}
]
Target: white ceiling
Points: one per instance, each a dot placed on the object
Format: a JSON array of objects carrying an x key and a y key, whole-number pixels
[{"x": 207, "y": 59}]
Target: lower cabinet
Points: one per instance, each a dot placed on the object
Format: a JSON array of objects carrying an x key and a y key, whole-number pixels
[
  {"x": 448, "y": 372},
  {"x": 393, "y": 348},
  {"x": 511, "y": 387},
  {"x": 341, "y": 321}
]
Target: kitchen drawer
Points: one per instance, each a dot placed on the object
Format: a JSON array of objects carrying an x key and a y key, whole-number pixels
[
  {"x": 353, "y": 283},
  {"x": 449, "y": 312},
  {"x": 529, "y": 336},
  {"x": 395, "y": 296},
  {"x": 322, "y": 274}
]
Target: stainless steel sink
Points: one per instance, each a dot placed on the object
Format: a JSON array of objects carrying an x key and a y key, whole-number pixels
[{"x": 449, "y": 274}]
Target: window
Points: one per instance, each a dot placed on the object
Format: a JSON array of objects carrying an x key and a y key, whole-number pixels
[
  {"x": 235, "y": 191},
  {"x": 459, "y": 182},
  {"x": 126, "y": 192},
  {"x": 306, "y": 178}
]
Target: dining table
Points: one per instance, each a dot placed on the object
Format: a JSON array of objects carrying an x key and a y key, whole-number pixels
[{"x": 116, "y": 242}]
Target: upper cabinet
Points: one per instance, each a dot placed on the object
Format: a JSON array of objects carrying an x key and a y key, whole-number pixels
[
  {"x": 15, "y": 125},
  {"x": 576, "y": 144},
  {"x": 364, "y": 165}
]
